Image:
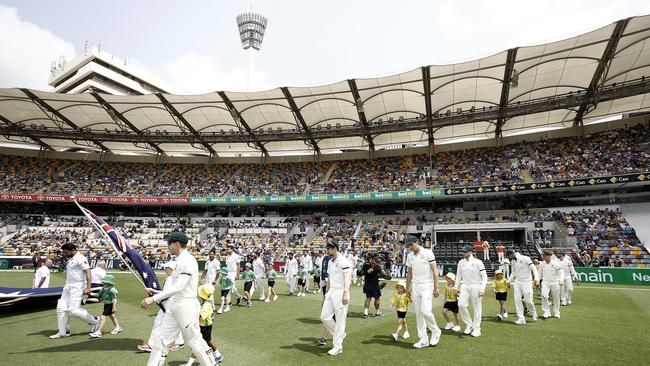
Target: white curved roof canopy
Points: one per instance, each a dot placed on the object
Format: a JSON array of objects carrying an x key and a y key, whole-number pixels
[{"x": 613, "y": 54}]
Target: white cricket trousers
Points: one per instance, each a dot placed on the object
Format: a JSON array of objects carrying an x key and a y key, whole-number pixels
[
  {"x": 291, "y": 282},
  {"x": 333, "y": 306},
  {"x": 233, "y": 290},
  {"x": 525, "y": 290},
  {"x": 486, "y": 254},
  {"x": 307, "y": 279},
  {"x": 259, "y": 285},
  {"x": 469, "y": 294},
  {"x": 566, "y": 291},
  {"x": 551, "y": 289},
  {"x": 70, "y": 304},
  {"x": 155, "y": 330},
  {"x": 422, "y": 304},
  {"x": 182, "y": 314}
]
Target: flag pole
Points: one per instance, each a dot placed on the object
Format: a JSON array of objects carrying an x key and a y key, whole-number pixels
[{"x": 108, "y": 241}]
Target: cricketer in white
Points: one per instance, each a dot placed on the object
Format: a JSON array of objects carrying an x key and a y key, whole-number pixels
[
  {"x": 422, "y": 282},
  {"x": 471, "y": 280},
  {"x": 183, "y": 310},
  {"x": 523, "y": 274},
  {"x": 337, "y": 299},
  {"x": 77, "y": 284}
]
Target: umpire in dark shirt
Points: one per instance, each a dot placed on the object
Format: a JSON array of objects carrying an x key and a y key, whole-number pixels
[{"x": 371, "y": 273}]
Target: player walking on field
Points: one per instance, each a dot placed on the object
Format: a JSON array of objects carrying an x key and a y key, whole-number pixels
[
  {"x": 77, "y": 284},
  {"x": 184, "y": 308},
  {"x": 566, "y": 291},
  {"x": 552, "y": 278},
  {"x": 523, "y": 274},
  {"x": 337, "y": 298},
  {"x": 422, "y": 286},
  {"x": 471, "y": 280}
]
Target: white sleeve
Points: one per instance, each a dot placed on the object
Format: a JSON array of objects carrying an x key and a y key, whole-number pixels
[
  {"x": 534, "y": 269},
  {"x": 176, "y": 287},
  {"x": 513, "y": 276},
  {"x": 572, "y": 270},
  {"x": 432, "y": 257},
  {"x": 484, "y": 278}
]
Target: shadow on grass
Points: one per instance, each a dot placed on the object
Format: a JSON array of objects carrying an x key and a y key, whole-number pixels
[
  {"x": 450, "y": 332},
  {"x": 309, "y": 320},
  {"x": 387, "y": 340},
  {"x": 115, "y": 344},
  {"x": 308, "y": 345}
]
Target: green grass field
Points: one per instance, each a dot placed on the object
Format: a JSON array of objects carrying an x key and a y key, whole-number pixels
[{"x": 604, "y": 326}]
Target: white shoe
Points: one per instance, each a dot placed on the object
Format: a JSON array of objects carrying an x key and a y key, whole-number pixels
[
  {"x": 534, "y": 317},
  {"x": 568, "y": 302},
  {"x": 456, "y": 328},
  {"x": 476, "y": 332},
  {"x": 406, "y": 335},
  {"x": 468, "y": 331},
  {"x": 434, "y": 340},
  {"x": 95, "y": 335},
  {"x": 268, "y": 299},
  {"x": 95, "y": 326},
  {"x": 57, "y": 336},
  {"x": 395, "y": 336},
  {"x": 563, "y": 303},
  {"x": 220, "y": 311},
  {"x": 557, "y": 315},
  {"x": 421, "y": 344},
  {"x": 275, "y": 297},
  {"x": 116, "y": 330},
  {"x": 499, "y": 316},
  {"x": 546, "y": 315},
  {"x": 334, "y": 351},
  {"x": 520, "y": 321},
  {"x": 262, "y": 298},
  {"x": 449, "y": 326},
  {"x": 227, "y": 309},
  {"x": 505, "y": 315}
]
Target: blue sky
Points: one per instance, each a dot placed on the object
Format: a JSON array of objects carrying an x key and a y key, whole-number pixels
[{"x": 194, "y": 45}]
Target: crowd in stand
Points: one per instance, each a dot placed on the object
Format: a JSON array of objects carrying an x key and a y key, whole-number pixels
[
  {"x": 605, "y": 238},
  {"x": 614, "y": 152},
  {"x": 619, "y": 151}
]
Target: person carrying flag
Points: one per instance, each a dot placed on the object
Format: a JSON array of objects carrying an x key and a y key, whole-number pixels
[{"x": 183, "y": 310}]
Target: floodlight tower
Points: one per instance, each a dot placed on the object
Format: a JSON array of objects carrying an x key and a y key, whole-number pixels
[{"x": 251, "y": 31}]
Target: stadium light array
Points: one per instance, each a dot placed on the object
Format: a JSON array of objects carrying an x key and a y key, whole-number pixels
[{"x": 251, "y": 29}]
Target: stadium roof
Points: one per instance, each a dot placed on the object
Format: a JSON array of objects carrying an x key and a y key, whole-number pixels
[{"x": 554, "y": 85}]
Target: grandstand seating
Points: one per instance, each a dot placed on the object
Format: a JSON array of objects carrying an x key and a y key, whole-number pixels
[
  {"x": 618, "y": 151},
  {"x": 603, "y": 235}
]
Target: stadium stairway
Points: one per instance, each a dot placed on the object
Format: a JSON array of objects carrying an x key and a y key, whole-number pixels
[
  {"x": 488, "y": 267},
  {"x": 328, "y": 174},
  {"x": 528, "y": 178}
]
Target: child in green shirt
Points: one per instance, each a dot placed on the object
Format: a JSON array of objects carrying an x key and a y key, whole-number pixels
[
  {"x": 271, "y": 275},
  {"x": 108, "y": 295},
  {"x": 302, "y": 276},
  {"x": 226, "y": 284},
  {"x": 249, "y": 278},
  {"x": 316, "y": 272}
]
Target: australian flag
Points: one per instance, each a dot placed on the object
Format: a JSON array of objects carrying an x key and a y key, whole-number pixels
[{"x": 125, "y": 251}]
